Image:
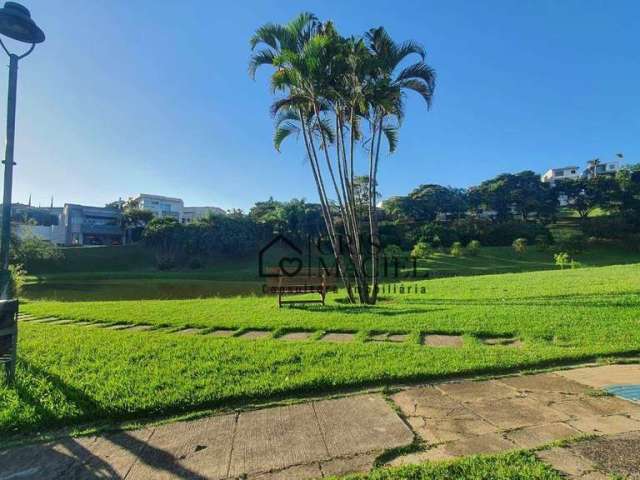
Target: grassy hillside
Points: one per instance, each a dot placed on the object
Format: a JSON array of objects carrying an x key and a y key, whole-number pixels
[{"x": 71, "y": 374}]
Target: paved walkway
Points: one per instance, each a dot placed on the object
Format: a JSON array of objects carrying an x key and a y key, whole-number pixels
[{"x": 334, "y": 437}]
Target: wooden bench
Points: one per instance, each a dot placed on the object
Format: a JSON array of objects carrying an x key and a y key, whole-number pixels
[
  {"x": 303, "y": 282},
  {"x": 8, "y": 336}
]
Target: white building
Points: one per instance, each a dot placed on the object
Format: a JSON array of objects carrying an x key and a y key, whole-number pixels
[
  {"x": 161, "y": 206},
  {"x": 565, "y": 173},
  {"x": 595, "y": 168},
  {"x": 191, "y": 214}
]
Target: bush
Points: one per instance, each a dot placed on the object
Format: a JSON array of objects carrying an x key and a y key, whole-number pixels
[
  {"x": 439, "y": 235},
  {"x": 473, "y": 247},
  {"x": 16, "y": 280},
  {"x": 456, "y": 249},
  {"x": 32, "y": 250},
  {"x": 519, "y": 245},
  {"x": 421, "y": 250},
  {"x": 562, "y": 259}
]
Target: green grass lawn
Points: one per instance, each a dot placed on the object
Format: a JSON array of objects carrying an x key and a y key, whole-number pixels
[
  {"x": 70, "y": 375},
  {"x": 512, "y": 466},
  {"x": 95, "y": 274}
]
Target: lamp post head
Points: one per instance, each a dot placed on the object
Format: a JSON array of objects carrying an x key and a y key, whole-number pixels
[{"x": 16, "y": 23}]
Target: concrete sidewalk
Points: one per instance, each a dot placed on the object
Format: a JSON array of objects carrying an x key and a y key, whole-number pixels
[{"x": 334, "y": 437}]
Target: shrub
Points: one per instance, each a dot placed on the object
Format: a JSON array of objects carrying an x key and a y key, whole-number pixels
[
  {"x": 456, "y": 249},
  {"x": 31, "y": 251},
  {"x": 562, "y": 259},
  {"x": 17, "y": 277},
  {"x": 421, "y": 250},
  {"x": 473, "y": 247},
  {"x": 575, "y": 264},
  {"x": 519, "y": 245}
]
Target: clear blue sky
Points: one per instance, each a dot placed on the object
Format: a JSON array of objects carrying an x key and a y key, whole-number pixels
[{"x": 153, "y": 96}]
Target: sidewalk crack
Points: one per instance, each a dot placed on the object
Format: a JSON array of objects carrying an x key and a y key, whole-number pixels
[{"x": 322, "y": 435}]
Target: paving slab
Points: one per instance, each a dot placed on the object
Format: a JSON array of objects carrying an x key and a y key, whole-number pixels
[
  {"x": 470, "y": 391},
  {"x": 221, "y": 333},
  {"x": 111, "y": 456},
  {"x": 448, "y": 429},
  {"x": 53, "y": 460},
  {"x": 599, "y": 377},
  {"x": 380, "y": 337},
  {"x": 296, "y": 336},
  {"x": 545, "y": 382},
  {"x": 477, "y": 445},
  {"x": 255, "y": 334},
  {"x": 510, "y": 413},
  {"x": 196, "y": 449},
  {"x": 338, "y": 337},
  {"x": 429, "y": 402},
  {"x": 596, "y": 406},
  {"x": 454, "y": 341},
  {"x": 605, "y": 425},
  {"x": 360, "y": 424},
  {"x": 532, "y": 437},
  {"x": 275, "y": 438},
  {"x": 567, "y": 461}
]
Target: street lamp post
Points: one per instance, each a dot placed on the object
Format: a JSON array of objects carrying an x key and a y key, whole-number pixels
[{"x": 15, "y": 23}]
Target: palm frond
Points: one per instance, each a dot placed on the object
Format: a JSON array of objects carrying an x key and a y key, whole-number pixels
[
  {"x": 292, "y": 101},
  {"x": 283, "y": 132},
  {"x": 419, "y": 71},
  {"x": 419, "y": 87},
  {"x": 261, "y": 57},
  {"x": 410, "y": 47},
  {"x": 391, "y": 133},
  {"x": 270, "y": 34}
]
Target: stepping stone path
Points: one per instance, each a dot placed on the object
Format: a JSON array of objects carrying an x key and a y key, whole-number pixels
[
  {"x": 296, "y": 336},
  {"x": 255, "y": 334},
  {"x": 454, "y": 341},
  {"x": 429, "y": 340},
  {"x": 338, "y": 337}
]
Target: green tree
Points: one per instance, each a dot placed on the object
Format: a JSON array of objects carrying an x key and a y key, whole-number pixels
[{"x": 330, "y": 87}]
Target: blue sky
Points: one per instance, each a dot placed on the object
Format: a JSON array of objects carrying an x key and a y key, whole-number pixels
[{"x": 153, "y": 96}]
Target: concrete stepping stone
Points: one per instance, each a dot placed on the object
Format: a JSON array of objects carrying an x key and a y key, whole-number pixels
[
  {"x": 452, "y": 341},
  {"x": 379, "y": 337},
  {"x": 141, "y": 328},
  {"x": 337, "y": 337},
  {"x": 398, "y": 337},
  {"x": 255, "y": 334},
  {"x": 120, "y": 326},
  {"x": 296, "y": 336},
  {"x": 189, "y": 331},
  {"x": 45, "y": 319},
  {"x": 502, "y": 341},
  {"x": 221, "y": 333},
  {"x": 60, "y": 321}
]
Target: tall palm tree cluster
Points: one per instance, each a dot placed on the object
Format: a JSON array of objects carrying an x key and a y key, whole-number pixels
[{"x": 345, "y": 97}]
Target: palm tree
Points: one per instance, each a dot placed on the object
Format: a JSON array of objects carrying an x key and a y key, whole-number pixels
[
  {"x": 386, "y": 110},
  {"x": 330, "y": 85}
]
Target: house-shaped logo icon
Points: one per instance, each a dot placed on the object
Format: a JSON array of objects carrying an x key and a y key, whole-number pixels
[{"x": 289, "y": 265}]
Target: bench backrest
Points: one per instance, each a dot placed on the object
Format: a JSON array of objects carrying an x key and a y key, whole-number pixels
[{"x": 313, "y": 277}]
